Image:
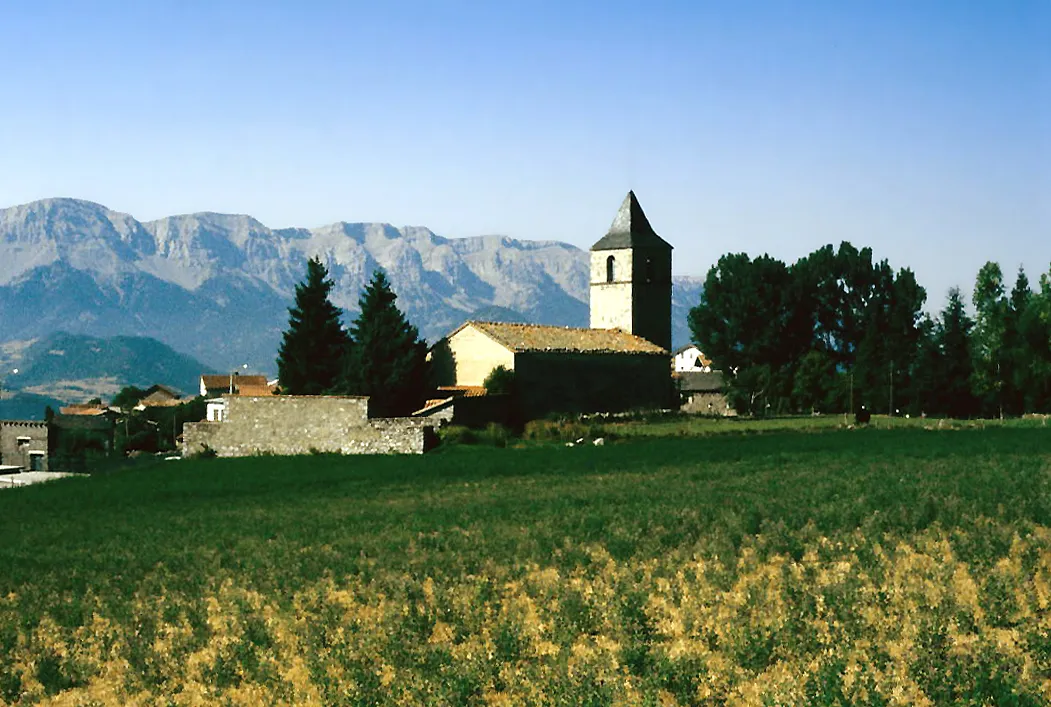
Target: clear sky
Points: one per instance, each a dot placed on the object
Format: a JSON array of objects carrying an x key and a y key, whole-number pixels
[{"x": 920, "y": 128}]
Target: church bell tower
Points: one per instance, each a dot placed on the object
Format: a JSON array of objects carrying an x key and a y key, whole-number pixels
[{"x": 631, "y": 277}]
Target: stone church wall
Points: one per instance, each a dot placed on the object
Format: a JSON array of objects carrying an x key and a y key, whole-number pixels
[
  {"x": 582, "y": 383},
  {"x": 289, "y": 425}
]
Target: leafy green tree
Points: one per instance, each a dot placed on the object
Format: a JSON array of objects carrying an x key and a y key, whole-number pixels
[
  {"x": 925, "y": 371},
  {"x": 817, "y": 385},
  {"x": 386, "y": 359},
  {"x": 749, "y": 317},
  {"x": 1035, "y": 332},
  {"x": 500, "y": 381},
  {"x": 128, "y": 397},
  {"x": 987, "y": 338},
  {"x": 310, "y": 358}
]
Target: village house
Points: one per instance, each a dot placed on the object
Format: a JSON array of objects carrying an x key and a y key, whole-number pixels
[
  {"x": 23, "y": 446},
  {"x": 213, "y": 386},
  {"x": 160, "y": 395},
  {"x": 703, "y": 392},
  {"x": 691, "y": 358},
  {"x": 217, "y": 388}
]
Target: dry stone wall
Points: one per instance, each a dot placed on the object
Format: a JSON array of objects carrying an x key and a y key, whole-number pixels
[{"x": 288, "y": 425}]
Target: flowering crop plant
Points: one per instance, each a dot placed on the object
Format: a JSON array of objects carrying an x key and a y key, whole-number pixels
[{"x": 874, "y": 567}]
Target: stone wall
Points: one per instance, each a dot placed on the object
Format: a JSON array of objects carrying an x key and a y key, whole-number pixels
[
  {"x": 611, "y": 302},
  {"x": 16, "y": 452},
  {"x": 583, "y": 383},
  {"x": 707, "y": 403},
  {"x": 293, "y": 424}
]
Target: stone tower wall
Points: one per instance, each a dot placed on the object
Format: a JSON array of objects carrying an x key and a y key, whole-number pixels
[
  {"x": 639, "y": 298},
  {"x": 611, "y": 302},
  {"x": 651, "y": 296}
]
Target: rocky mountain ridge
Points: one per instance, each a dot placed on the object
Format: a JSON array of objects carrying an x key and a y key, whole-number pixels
[{"x": 217, "y": 286}]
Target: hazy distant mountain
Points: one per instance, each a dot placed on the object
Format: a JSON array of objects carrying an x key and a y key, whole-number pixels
[
  {"x": 218, "y": 286},
  {"x": 72, "y": 368}
]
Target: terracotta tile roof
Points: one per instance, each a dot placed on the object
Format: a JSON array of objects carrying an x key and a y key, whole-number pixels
[
  {"x": 83, "y": 409},
  {"x": 243, "y": 385},
  {"x": 462, "y": 391},
  {"x": 521, "y": 338},
  {"x": 431, "y": 406}
]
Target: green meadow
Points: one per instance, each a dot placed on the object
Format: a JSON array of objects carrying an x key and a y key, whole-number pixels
[{"x": 681, "y": 562}]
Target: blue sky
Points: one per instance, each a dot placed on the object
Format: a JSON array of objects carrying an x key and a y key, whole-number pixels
[{"x": 922, "y": 129}]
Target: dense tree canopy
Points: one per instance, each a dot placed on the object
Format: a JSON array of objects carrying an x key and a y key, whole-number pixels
[
  {"x": 837, "y": 330},
  {"x": 312, "y": 348}
]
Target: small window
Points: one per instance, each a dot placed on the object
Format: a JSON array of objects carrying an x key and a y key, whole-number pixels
[
  {"x": 609, "y": 268},
  {"x": 650, "y": 270}
]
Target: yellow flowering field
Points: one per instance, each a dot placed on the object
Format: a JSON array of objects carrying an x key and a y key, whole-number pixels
[{"x": 899, "y": 567}]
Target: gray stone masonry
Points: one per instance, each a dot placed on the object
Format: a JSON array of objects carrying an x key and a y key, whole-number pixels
[
  {"x": 303, "y": 424},
  {"x": 22, "y": 441}
]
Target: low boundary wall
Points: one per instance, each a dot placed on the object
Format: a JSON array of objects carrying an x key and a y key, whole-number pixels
[{"x": 305, "y": 424}]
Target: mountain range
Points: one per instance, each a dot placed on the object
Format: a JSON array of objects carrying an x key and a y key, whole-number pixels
[
  {"x": 66, "y": 368},
  {"x": 218, "y": 286}
]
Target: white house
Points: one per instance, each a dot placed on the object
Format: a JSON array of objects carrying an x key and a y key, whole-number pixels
[{"x": 690, "y": 358}]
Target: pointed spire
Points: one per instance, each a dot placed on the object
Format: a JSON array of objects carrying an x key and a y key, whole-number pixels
[{"x": 630, "y": 228}]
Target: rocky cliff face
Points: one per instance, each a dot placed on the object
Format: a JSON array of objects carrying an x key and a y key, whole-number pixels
[{"x": 218, "y": 286}]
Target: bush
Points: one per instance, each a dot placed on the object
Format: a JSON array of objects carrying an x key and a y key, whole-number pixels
[
  {"x": 457, "y": 434},
  {"x": 495, "y": 434}
]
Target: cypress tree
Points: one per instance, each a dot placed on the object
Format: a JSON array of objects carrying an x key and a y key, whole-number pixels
[
  {"x": 312, "y": 348},
  {"x": 386, "y": 359}
]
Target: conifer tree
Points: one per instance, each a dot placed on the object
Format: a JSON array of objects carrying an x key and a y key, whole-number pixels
[
  {"x": 311, "y": 354},
  {"x": 1017, "y": 359},
  {"x": 386, "y": 359},
  {"x": 954, "y": 341}
]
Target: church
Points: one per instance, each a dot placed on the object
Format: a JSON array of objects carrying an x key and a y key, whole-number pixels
[{"x": 621, "y": 362}]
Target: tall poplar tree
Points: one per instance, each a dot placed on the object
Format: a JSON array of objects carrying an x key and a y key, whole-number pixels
[
  {"x": 312, "y": 348},
  {"x": 386, "y": 359},
  {"x": 990, "y": 331}
]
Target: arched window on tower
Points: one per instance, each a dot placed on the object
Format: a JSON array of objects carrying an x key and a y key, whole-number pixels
[
  {"x": 609, "y": 268},
  {"x": 650, "y": 271}
]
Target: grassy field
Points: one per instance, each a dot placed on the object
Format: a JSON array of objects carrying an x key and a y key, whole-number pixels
[{"x": 900, "y": 565}]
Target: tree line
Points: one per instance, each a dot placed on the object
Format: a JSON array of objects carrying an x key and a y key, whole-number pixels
[
  {"x": 837, "y": 331},
  {"x": 380, "y": 354}
]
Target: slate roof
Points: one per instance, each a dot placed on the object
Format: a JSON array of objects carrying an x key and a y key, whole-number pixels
[
  {"x": 523, "y": 338},
  {"x": 630, "y": 229},
  {"x": 700, "y": 382}
]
